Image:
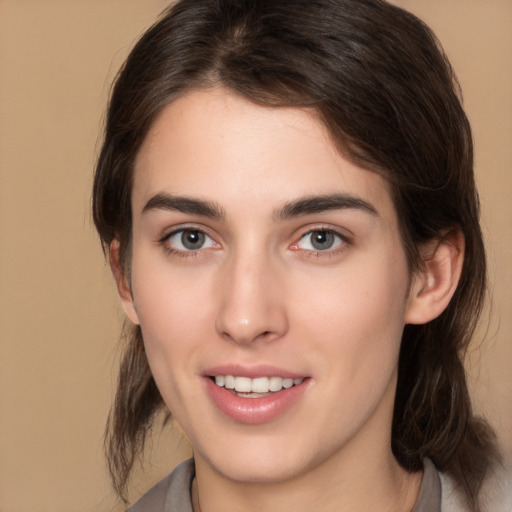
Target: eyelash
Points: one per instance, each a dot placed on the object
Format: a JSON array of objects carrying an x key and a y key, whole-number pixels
[
  {"x": 341, "y": 244},
  {"x": 183, "y": 253},
  {"x": 342, "y": 240}
]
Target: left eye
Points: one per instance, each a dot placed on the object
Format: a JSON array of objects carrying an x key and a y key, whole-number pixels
[
  {"x": 319, "y": 240},
  {"x": 190, "y": 240}
]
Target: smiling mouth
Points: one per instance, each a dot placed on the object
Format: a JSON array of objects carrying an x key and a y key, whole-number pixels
[{"x": 258, "y": 387}]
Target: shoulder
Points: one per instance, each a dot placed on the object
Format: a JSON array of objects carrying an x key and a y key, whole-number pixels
[
  {"x": 496, "y": 493},
  {"x": 172, "y": 494}
]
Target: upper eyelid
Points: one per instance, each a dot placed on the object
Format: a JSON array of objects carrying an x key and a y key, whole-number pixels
[
  {"x": 184, "y": 227},
  {"x": 343, "y": 232},
  {"x": 336, "y": 233},
  {"x": 340, "y": 232}
]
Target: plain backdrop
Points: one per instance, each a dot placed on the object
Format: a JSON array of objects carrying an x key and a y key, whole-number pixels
[{"x": 59, "y": 317}]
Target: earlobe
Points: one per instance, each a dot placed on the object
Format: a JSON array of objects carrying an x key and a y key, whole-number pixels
[
  {"x": 122, "y": 282},
  {"x": 434, "y": 286}
]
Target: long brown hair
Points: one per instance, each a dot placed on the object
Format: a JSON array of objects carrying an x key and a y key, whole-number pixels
[{"x": 381, "y": 84}]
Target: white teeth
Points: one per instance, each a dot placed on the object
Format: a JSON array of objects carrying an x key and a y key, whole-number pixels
[
  {"x": 276, "y": 383},
  {"x": 257, "y": 385},
  {"x": 229, "y": 382},
  {"x": 243, "y": 384},
  {"x": 287, "y": 383},
  {"x": 260, "y": 385}
]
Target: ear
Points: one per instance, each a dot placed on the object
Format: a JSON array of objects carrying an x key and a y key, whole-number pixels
[
  {"x": 433, "y": 287},
  {"x": 122, "y": 282}
]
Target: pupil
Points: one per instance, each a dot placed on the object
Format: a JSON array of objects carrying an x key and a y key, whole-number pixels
[
  {"x": 322, "y": 240},
  {"x": 192, "y": 239}
]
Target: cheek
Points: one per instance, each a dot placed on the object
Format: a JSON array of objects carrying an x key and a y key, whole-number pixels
[
  {"x": 358, "y": 318},
  {"x": 174, "y": 314},
  {"x": 166, "y": 296},
  {"x": 173, "y": 326}
]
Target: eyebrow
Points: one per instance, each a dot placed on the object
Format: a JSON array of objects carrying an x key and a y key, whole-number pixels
[
  {"x": 317, "y": 204},
  {"x": 184, "y": 205},
  {"x": 300, "y": 207}
]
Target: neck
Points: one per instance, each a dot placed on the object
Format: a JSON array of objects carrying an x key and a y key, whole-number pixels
[{"x": 381, "y": 486}]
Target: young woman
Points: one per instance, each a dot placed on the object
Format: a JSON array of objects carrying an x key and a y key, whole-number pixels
[{"x": 286, "y": 196}]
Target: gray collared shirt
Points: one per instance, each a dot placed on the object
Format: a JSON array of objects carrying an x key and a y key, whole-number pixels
[{"x": 172, "y": 494}]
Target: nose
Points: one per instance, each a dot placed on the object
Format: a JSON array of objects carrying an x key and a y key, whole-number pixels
[{"x": 251, "y": 301}]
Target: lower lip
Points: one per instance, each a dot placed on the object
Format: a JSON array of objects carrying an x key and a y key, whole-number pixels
[{"x": 254, "y": 410}]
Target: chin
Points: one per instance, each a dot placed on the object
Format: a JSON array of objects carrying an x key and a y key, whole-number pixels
[
  {"x": 258, "y": 471},
  {"x": 260, "y": 460}
]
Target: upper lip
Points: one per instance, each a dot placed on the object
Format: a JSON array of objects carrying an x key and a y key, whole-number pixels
[{"x": 252, "y": 371}]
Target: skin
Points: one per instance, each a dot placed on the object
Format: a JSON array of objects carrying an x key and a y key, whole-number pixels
[{"x": 257, "y": 292}]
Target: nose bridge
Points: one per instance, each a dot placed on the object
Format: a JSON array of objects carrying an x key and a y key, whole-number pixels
[{"x": 251, "y": 305}]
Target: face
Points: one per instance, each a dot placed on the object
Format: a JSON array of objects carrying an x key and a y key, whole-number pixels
[{"x": 271, "y": 286}]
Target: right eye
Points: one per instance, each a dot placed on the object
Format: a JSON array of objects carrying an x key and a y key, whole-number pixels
[{"x": 189, "y": 240}]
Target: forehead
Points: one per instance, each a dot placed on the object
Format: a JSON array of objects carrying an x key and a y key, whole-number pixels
[{"x": 216, "y": 143}]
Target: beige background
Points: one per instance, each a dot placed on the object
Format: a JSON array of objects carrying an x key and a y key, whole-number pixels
[{"x": 59, "y": 319}]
